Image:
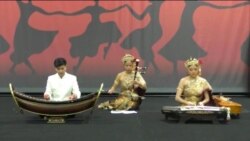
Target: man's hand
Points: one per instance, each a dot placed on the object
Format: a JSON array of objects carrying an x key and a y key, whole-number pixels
[
  {"x": 72, "y": 97},
  {"x": 46, "y": 96}
]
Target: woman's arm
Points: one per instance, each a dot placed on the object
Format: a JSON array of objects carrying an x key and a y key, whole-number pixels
[
  {"x": 207, "y": 89},
  {"x": 178, "y": 96},
  {"x": 205, "y": 100},
  {"x": 115, "y": 84},
  {"x": 140, "y": 82}
]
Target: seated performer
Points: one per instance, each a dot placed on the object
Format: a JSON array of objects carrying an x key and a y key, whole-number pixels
[
  {"x": 62, "y": 85},
  {"x": 193, "y": 89},
  {"x": 126, "y": 80}
]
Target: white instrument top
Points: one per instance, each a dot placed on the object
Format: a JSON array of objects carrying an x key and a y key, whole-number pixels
[{"x": 200, "y": 108}]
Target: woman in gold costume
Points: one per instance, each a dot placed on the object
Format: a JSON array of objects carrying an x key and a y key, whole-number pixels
[
  {"x": 128, "y": 98},
  {"x": 193, "y": 89}
]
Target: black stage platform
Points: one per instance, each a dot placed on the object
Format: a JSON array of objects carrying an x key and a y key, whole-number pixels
[{"x": 148, "y": 124}]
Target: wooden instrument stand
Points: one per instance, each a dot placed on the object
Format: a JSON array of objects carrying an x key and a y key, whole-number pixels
[{"x": 56, "y": 120}]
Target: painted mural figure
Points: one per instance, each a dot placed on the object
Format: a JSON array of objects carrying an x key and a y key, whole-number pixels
[
  {"x": 183, "y": 39},
  {"x": 144, "y": 39},
  {"x": 128, "y": 99},
  {"x": 97, "y": 33},
  {"x": 245, "y": 51},
  {"x": 27, "y": 40},
  {"x": 4, "y": 46}
]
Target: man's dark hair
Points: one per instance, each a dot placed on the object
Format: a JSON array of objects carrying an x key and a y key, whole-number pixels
[{"x": 60, "y": 62}]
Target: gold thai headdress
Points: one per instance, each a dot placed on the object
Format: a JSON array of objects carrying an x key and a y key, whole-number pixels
[
  {"x": 128, "y": 58},
  {"x": 192, "y": 62}
]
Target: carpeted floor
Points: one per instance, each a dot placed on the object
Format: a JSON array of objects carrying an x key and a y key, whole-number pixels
[{"x": 148, "y": 124}]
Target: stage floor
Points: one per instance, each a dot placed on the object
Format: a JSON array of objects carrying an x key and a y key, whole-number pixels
[{"x": 148, "y": 124}]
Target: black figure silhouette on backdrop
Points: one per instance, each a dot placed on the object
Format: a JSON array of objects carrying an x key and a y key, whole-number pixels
[
  {"x": 35, "y": 41},
  {"x": 245, "y": 56},
  {"x": 4, "y": 46},
  {"x": 182, "y": 46},
  {"x": 87, "y": 43},
  {"x": 27, "y": 40},
  {"x": 245, "y": 51},
  {"x": 144, "y": 39}
]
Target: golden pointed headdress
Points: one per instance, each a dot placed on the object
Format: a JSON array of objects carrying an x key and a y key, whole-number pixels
[
  {"x": 192, "y": 62},
  {"x": 128, "y": 58}
]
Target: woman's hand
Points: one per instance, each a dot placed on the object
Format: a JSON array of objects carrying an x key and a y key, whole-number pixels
[
  {"x": 137, "y": 84},
  {"x": 201, "y": 104},
  {"x": 190, "y": 103},
  {"x": 110, "y": 91}
]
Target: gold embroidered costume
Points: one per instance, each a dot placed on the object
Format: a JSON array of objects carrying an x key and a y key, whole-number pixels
[
  {"x": 128, "y": 98},
  {"x": 193, "y": 89}
]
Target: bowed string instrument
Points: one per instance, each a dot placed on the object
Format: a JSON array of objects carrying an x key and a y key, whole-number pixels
[{"x": 142, "y": 70}]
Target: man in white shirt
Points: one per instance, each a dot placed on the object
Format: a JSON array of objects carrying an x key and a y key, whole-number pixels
[{"x": 62, "y": 85}]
